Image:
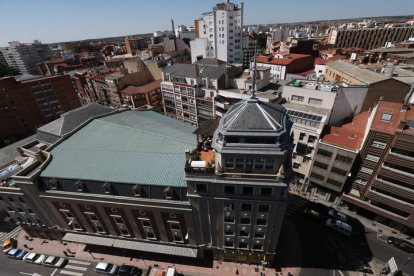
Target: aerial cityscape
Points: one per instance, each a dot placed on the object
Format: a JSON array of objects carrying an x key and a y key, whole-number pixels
[{"x": 215, "y": 138}]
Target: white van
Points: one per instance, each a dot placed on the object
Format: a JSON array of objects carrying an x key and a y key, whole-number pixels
[{"x": 340, "y": 226}]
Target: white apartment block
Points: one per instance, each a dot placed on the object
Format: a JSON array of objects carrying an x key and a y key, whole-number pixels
[
  {"x": 219, "y": 34},
  {"x": 25, "y": 57}
]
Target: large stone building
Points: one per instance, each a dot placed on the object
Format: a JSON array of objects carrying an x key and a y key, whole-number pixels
[
  {"x": 369, "y": 38},
  {"x": 131, "y": 180},
  {"x": 219, "y": 34},
  {"x": 382, "y": 188},
  {"x": 25, "y": 57},
  {"x": 380, "y": 86},
  {"x": 27, "y": 104}
]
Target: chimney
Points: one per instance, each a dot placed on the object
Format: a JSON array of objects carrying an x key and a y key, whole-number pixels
[{"x": 173, "y": 30}]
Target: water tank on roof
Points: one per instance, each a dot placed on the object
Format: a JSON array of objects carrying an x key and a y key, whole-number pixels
[
  {"x": 297, "y": 83},
  {"x": 326, "y": 87},
  {"x": 311, "y": 85}
]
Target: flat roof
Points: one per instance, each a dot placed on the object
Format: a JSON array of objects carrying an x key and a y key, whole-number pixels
[
  {"x": 364, "y": 75},
  {"x": 128, "y": 147}
]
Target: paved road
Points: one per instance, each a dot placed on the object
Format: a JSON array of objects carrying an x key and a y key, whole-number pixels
[
  {"x": 306, "y": 242},
  {"x": 382, "y": 251},
  {"x": 12, "y": 267}
]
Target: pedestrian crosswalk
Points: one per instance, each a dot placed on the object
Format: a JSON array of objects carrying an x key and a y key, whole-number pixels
[
  {"x": 10, "y": 234},
  {"x": 75, "y": 268}
]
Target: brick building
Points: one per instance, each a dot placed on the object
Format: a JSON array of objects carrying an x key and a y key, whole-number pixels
[
  {"x": 383, "y": 185},
  {"x": 281, "y": 64},
  {"x": 148, "y": 94},
  {"x": 28, "y": 104}
]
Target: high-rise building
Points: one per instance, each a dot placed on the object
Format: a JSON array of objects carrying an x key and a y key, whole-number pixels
[
  {"x": 219, "y": 34},
  {"x": 382, "y": 187},
  {"x": 25, "y": 57},
  {"x": 31, "y": 103}
]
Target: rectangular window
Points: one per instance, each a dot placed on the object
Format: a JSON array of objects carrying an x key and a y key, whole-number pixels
[
  {"x": 298, "y": 98},
  {"x": 258, "y": 164},
  {"x": 264, "y": 208},
  {"x": 301, "y": 136},
  {"x": 201, "y": 188},
  {"x": 228, "y": 244},
  {"x": 338, "y": 171},
  {"x": 261, "y": 222},
  {"x": 334, "y": 182},
  {"x": 269, "y": 164},
  {"x": 266, "y": 191},
  {"x": 361, "y": 181},
  {"x": 247, "y": 190},
  {"x": 324, "y": 153},
  {"x": 246, "y": 207},
  {"x": 315, "y": 101},
  {"x": 320, "y": 165},
  {"x": 317, "y": 176},
  {"x": 343, "y": 158},
  {"x": 229, "y": 219},
  {"x": 371, "y": 157},
  {"x": 239, "y": 163},
  {"x": 243, "y": 245},
  {"x": 257, "y": 246},
  {"x": 229, "y": 163},
  {"x": 229, "y": 190},
  {"x": 386, "y": 117},
  {"x": 377, "y": 144},
  {"x": 244, "y": 220},
  {"x": 366, "y": 170}
]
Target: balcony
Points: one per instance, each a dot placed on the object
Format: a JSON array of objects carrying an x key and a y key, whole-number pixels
[{"x": 223, "y": 105}]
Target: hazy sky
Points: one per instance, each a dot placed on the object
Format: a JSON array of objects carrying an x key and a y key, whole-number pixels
[{"x": 63, "y": 20}]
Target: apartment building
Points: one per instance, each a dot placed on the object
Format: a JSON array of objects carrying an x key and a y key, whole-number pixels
[
  {"x": 26, "y": 104},
  {"x": 189, "y": 90},
  {"x": 132, "y": 44},
  {"x": 25, "y": 57},
  {"x": 145, "y": 95},
  {"x": 219, "y": 34},
  {"x": 369, "y": 38},
  {"x": 281, "y": 64},
  {"x": 383, "y": 185},
  {"x": 335, "y": 156},
  {"x": 101, "y": 186},
  {"x": 380, "y": 86}
]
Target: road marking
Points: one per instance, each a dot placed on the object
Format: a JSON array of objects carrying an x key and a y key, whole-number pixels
[
  {"x": 76, "y": 267},
  {"x": 340, "y": 272},
  {"x": 78, "y": 262},
  {"x": 54, "y": 271},
  {"x": 71, "y": 273},
  {"x": 24, "y": 273}
]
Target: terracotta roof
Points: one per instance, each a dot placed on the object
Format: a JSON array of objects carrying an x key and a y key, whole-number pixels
[
  {"x": 397, "y": 115},
  {"x": 320, "y": 61},
  {"x": 279, "y": 61},
  {"x": 133, "y": 90},
  {"x": 350, "y": 135},
  {"x": 306, "y": 73}
]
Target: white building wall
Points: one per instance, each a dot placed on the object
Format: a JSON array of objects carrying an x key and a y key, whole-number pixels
[
  {"x": 348, "y": 103},
  {"x": 278, "y": 71},
  {"x": 328, "y": 98}
]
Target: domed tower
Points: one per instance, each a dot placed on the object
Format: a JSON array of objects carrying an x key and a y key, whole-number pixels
[{"x": 239, "y": 202}]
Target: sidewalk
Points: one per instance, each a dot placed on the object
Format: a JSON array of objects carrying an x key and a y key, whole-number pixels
[
  {"x": 372, "y": 225},
  {"x": 57, "y": 248}
]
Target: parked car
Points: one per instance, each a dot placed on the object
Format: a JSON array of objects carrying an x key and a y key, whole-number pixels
[
  {"x": 34, "y": 258},
  {"x": 106, "y": 268},
  {"x": 16, "y": 253},
  {"x": 339, "y": 226},
  {"x": 401, "y": 244},
  {"x": 9, "y": 244},
  {"x": 54, "y": 261},
  {"x": 127, "y": 270},
  {"x": 311, "y": 213},
  {"x": 338, "y": 215}
]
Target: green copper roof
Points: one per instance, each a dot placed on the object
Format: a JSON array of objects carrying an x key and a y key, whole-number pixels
[{"x": 128, "y": 147}]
